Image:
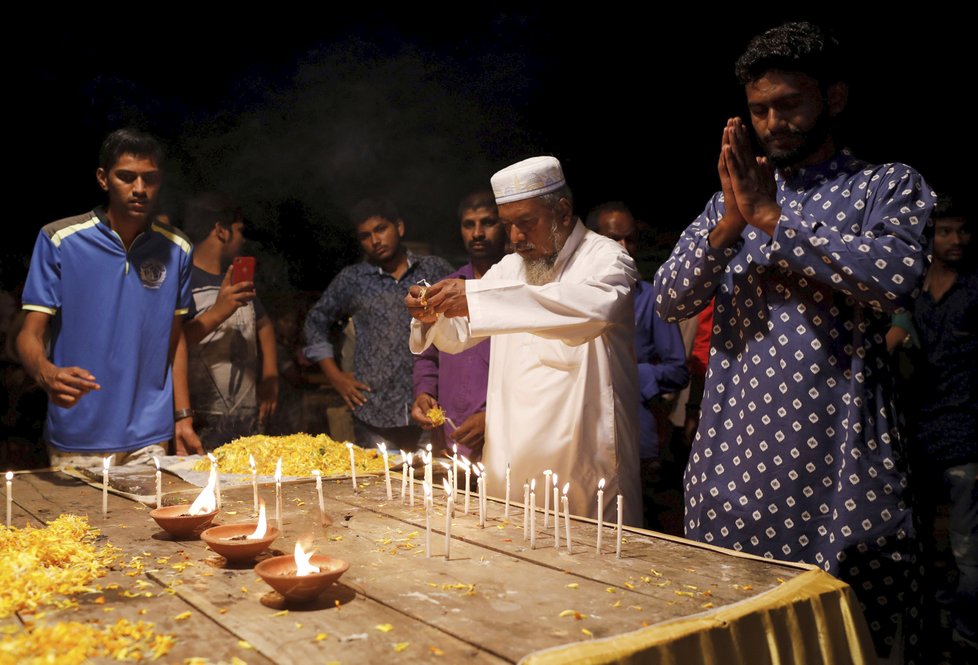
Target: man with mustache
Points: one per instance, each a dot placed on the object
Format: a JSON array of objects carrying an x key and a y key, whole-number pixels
[
  {"x": 457, "y": 382},
  {"x": 806, "y": 250},
  {"x": 379, "y": 390},
  {"x": 563, "y": 385},
  {"x": 112, "y": 286}
]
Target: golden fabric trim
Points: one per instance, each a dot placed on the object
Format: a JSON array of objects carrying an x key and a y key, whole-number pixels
[
  {"x": 40, "y": 308},
  {"x": 173, "y": 237},
  {"x": 61, "y": 234}
]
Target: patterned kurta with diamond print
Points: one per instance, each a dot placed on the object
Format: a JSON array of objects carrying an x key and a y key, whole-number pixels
[{"x": 797, "y": 455}]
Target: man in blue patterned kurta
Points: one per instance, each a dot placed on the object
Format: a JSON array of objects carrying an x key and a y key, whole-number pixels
[
  {"x": 797, "y": 455},
  {"x": 379, "y": 391}
]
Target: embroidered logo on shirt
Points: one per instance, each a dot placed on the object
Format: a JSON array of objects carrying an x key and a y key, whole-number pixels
[{"x": 152, "y": 273}]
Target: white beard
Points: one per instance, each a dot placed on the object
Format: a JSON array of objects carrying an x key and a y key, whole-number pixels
[{"x": 544, "y": 269}]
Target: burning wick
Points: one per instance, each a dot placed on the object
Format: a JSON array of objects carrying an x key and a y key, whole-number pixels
[
  {"x": 262, "y": 527},
  {"x": 411, "y": 475},
  {"x": 468, "y": 477},
  {"x": 533, "y": 512},
  {"x": 10, "y": 496},
  {"x": 302, "y": 558},
  {"x": 159, "y": 483},
  {"x": 546, "y": 498},
  {"x": 483, "y": 507},
  {"x": 353, "y": 466},
  {"x": 278, "y": 493},
  {"x": 526, "y": 511},
  {"x": 454, "y": 465},
  {"x": 478, "y": 484},
  {"x": 319, "y": 491},
  {"x": 427, "y": 465},
  {"x": 566, "y": 517},
  {"x": 387, "y": 471},
  {"x": 506, "y": 510},
  {"x": 254, "y": 481},
  {"x": 404, "y": 476},
  {"x": 217, "y": 475},
  {"x": 556, "y": 514},
  {"x": 597, "y": 546},
  {"x": 206, "y": 501},
  {"x": 105, "y": 486}
]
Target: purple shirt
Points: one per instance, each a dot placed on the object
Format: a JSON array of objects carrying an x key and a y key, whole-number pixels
[{"x": 458, "y": 381}]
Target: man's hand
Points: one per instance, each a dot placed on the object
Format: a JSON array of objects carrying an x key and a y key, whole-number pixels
[
  {"x": 66, "y": 385},
  {"x": 472, "y": 432},
  {"x": 351, "y": 390},
  {"x": 418, "y": 307},
  {"x": 419, "y": 412},
  {"x": 267, "y": 393},
  {"x": 732, "y": 224},
  {"x": 448, "y": 297},
  {"x": 232, "y": 297},
  {"x": 752, "y": 181},
  {"x": 185, "y": 441}
]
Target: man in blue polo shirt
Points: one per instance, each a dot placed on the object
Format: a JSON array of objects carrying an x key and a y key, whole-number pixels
[{"x": 111, "y": 286}]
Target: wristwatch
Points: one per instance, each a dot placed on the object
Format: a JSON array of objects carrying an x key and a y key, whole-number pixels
[{"x": 182, "y": 413}]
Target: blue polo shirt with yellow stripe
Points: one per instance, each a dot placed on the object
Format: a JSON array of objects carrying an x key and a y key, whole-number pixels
[{"x": 112, "y": 315}]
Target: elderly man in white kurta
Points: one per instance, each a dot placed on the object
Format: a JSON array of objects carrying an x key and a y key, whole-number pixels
[{"x": 563, "y": 387}]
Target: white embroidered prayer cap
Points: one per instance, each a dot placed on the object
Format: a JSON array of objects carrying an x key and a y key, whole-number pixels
[{"x": 532, "y": 177}]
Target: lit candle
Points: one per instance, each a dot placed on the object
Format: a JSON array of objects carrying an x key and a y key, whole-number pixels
[
  {"x": 427, "y": 520},
  {"x": 278, "y": 493},
  {"x": 621, "y": 502},
  {"x": 556, "y": 513},
  {"x": 526, "y": 511},
  {"x": 454, "y": 465},
  {"x": 427, "y": 465},
  {"x": 217, "y": 473},
  {"x": 478, "y": 484},
  {"x": 353, "y": 466},
  {"x": 597, "y": 546},
  {"x": 546, "y": 497},
  {"x": 533, "y": 512},
  {"x": 448, "y": 519},
  {"x": 10, "y": 496},
  {"x": 566, "y": 517},
  {"x": 468, "y": 477},
  {"x": 387, "y": 472},
  {"x": 404, "y": 475},
  {"x": 411, "y": 475},
  {"x": 506, "y": 509},
  {"x": 159, "y": 483},
  {"x": 105, "y": 486},
  {"x": 254, "y": 481},
  {"x": 319, "y": 490},
  {"x": 482, "y": 494}
]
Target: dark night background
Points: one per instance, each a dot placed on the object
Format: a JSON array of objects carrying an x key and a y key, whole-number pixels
[{"x": 299, "y": 117}]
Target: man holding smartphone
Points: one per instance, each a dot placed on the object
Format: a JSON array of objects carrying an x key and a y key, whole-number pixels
[{"x": 230, "y": 335}]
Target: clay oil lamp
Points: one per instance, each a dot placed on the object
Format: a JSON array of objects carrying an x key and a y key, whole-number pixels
[
  {"x": 183, "y": 522},
  {"x": 241, "y": 542},
  {"x": 302, "y": 577}
]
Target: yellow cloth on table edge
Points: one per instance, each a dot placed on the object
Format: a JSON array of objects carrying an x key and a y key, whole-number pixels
[{"x": 811, "y": 619}]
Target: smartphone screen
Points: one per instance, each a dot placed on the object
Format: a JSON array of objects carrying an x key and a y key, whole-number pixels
[{"x": 243, "y": 269}]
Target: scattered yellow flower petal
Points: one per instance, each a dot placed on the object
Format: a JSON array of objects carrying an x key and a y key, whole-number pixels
[
  {"x": 321, "y": 636},
  {"x": 617, "y": 603},
  {"x": 244, "y": 645},
  {"x": 574, "y": 585},
  {"x": 384, "y": 627},
  {"x": 587, "y": 632},
  {"x": 706, "y": 606},
  {"x": 182, "y": 616},
  {"x": 298, "y": 625},
  {"x": 611, "y": 589},
  {"x": 281, "y": 613},
  {"x": 436, "y": 651},
  {"x": 629, "y": 585},
  {"x": 401, "y": 646}
]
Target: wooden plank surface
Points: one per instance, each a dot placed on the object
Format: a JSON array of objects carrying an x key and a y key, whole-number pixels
[{"x": 495, "y": 600}]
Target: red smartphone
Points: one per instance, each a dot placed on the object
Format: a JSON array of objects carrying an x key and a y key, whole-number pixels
[{"x": 243, "y": 269}]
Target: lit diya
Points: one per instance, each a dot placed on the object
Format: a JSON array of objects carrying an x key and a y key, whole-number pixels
[
  {"x": 303, "y": 576},
  {"x": 241, "y": 542},
  {"x": 183, "y": 522}
]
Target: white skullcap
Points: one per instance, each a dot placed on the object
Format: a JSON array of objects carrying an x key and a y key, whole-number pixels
[{"x": 530, "y": 178}]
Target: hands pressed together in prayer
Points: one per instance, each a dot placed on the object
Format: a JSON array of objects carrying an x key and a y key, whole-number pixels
[
  {"x": 748, "y": 186},
  {"x": 446, "y": 297}
]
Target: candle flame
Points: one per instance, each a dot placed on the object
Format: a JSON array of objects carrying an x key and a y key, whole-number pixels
[
  {"x": 555, "y": 480},
  {"x": 481, "y": 466},
  {"x": 10, "y": 476},
  {"x": 455, "y": 448},
  {"x": 566, "y": 487},
  {"x": 156, "y": 461},
  {"x": 547, "y": 472},
  {"x": 106, "y": 461},
  {"x": 410, "y": 459},
  {"x": 251, "y": 461},
  {"x": 478, "y": 474},
  {"x": 427, "y": 489},
  {"x": 403, "y": 454},
  {"x": 262, "y": 527},
  {"x": 533, "y": 485},
  {"x": 382, "y": 447},
  {"x": 302, "y": 565},
  {"x": 316, "y": 472},
  {"x": 428, "y": 447},
  {"x": 601, "y": 484},
  {"x": 425, "y": 458},
  {"x": 446, "y": 465},
  {"x": 447, "y": 485},
  {"x": 465, "y": 462},
  {"x": 206, "y": 501},
  {"x": 278, "y": 470}
]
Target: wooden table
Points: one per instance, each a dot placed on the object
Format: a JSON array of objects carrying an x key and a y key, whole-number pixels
[{"x": 495, "y": 601}]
